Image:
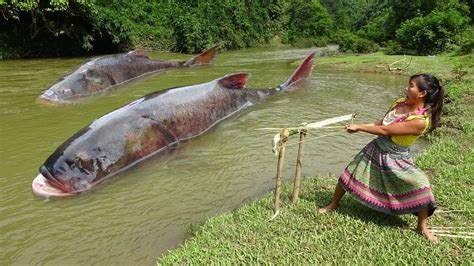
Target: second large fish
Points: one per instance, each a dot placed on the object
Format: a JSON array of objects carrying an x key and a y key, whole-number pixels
[{"x": 101, "y": 74}]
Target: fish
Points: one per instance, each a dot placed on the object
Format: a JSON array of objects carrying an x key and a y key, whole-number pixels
[
  {"x": 151, "y": 125},
  {"x": 101, "y": 74}
]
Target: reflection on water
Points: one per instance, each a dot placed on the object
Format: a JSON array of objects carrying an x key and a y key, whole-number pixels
[{"x": 142, "y": 212}]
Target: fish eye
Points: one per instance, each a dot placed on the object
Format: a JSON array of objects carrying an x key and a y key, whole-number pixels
[{"x": 67, "y": 92}]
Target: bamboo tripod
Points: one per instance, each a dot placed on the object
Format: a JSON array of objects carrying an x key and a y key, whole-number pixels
[
  {"x": 284, "y": 134},
  {"x": 280, "y": 149}
]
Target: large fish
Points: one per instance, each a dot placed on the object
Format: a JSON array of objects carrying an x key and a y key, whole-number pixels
[
  {"x": 101, "y": 74},
  {"x": 147, "y": 126}
]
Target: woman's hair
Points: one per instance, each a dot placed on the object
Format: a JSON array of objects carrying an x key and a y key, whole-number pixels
[{"x": 434, "y": 95}]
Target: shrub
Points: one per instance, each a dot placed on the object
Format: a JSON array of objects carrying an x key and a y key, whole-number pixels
[
  {"x": 433, "y": 33},
  {"x": 348, "y": 42},
  {"x": 321, "y": 41},
  {"x": 362, "y": 45},
  {"x": 52, "y": 28},
  {"x": 467, "y": 41},
  {"x": 375, "y": 29},
  {"x": 307, "y": 20},
  {"x": 68, "y": 28},
  {"x": 310, "y": 42},
  {"x": 392, "y": 48},
  {"x": 344, "y": 39}
]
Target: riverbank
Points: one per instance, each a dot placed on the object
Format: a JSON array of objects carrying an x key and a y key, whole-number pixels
[{"x": 354, "y": 233}]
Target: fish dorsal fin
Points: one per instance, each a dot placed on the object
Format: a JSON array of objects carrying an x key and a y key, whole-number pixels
[
  {"x": 302, "y": 73},
  {"x": 205, "y": 58},
  {"x": 139, "y": 53},
  {"x": 234, "y": 81}
]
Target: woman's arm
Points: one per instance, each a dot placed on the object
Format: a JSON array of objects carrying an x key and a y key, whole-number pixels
[
  {"x": 375, "y": 123},
  {"x": 412, "y": 127}
]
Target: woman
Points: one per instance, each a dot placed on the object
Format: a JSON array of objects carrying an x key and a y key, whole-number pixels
[{"x": 383, "y": 176}]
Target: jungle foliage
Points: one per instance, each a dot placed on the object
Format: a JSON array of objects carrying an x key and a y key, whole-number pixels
[{"x": 52, "y": 28}]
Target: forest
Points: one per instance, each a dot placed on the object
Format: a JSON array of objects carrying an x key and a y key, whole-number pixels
[{"x": 61, "y": 28}]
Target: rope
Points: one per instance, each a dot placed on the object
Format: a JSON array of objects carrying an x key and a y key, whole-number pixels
[
  {"x": 290, "y": 128},
  {"x": 318, "y": 137}
]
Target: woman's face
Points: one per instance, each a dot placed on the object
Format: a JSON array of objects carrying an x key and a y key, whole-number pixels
[{"x": 413, "y": 93}]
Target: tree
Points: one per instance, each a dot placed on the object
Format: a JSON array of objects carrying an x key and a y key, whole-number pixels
[
  {"x": 306, "y": 20},
  {"x": 55, "y": 27},
  {"x": 434, "y": 32}
]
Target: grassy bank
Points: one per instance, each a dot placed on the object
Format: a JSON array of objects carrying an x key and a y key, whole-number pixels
[
  {"x": 354, "y": 233},
  {"x": 445, "y": 66}
]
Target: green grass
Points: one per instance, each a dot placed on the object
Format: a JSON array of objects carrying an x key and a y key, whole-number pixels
[
  {"x": 444, "y": 66},
  {"x": 355, "y": 234}
]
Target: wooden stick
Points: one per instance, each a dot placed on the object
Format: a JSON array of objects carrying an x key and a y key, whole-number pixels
[
  {"x": 281, "y": 156},
  {"x": 291, "y": 128},
  {"x": 352, "y": 118},
  {"x": 319, "y": 124},
  {"x": 452, "y": 232},
  {"x": 299, "y": 159},
  {"x": 452, "y": 211},
  {"x": 451, "y": 227},
  {"x": 456, "y": 236}
]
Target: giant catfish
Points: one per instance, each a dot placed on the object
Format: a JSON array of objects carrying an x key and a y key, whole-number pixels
[
  {"x": 101, "y": 74},
  {"x": 148, "y": 126}
]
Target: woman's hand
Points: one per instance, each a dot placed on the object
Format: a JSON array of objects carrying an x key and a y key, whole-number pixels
[{"x": 352, "y": 128}]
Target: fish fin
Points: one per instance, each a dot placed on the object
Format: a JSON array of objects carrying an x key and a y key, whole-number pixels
[
  {"x": 301, "y": 74},
  {"x": 139, "y": 53},
  {"x": 205, "y": 58},
  {"x": 234, "y": 81}
]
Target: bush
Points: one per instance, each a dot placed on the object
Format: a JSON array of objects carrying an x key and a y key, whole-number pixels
[
  {"x": 434, "y": 33},
  {"x": 392, "y": 48},
  {"x": 69, "y": 28},
  {"x": 307, "y": 20},
  {"x": 467, "y": 41},
  {"x": 303, "y": 43},
  {"x": 321, "y": 42},
  {"x": 344, "y": 39},
  {"x": 362, "y": 45},
  {"x": 349, "y": 42},
  {"x": 375, "y": 29},
  {"x": 52, "y": 28}
]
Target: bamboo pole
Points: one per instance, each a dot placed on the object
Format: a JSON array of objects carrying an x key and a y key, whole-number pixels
[
  {"x": 299, "y": 159},
  {"x": 281, "y": 156}
]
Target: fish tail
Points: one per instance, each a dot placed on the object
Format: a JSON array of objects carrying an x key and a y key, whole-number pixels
[
  {"x": 301, "y": 74},
  {"x": 205, "y": 58}
]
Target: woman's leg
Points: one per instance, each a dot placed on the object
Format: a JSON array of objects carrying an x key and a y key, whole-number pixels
[
  {"x": 335, "y": 199},
  {"x": 422, "y": 227}
]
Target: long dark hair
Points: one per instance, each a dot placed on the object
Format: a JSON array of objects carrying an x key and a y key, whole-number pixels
[{"x": 434, "y": 95}]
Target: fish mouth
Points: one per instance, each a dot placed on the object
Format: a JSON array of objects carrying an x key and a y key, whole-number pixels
[
  {"x": 42, "y": 187},
  {"x": 46, "y": 183},
  {"x": 45, "y": 100}
]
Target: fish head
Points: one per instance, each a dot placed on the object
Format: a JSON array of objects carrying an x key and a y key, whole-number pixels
[
  {"x": 65, "y": 89},
  {"x": 71, "y": 173},
  {"x": 77, "y": 84}
]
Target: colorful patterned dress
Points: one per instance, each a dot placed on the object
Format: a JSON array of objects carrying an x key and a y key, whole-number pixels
[{"x": 383, "y": 176}]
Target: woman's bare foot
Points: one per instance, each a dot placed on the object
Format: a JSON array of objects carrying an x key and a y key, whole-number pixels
[
  {"x": 428, "y": 235},
  {"x": 327, "y": 209}
]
